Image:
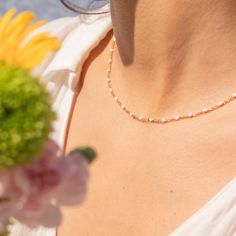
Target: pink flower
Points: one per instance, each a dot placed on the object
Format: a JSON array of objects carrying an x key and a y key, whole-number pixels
[
  {"x": 3, "y": 227},
  {"x": 35, "y": 192},
  {"x": 9, "y": 194}
]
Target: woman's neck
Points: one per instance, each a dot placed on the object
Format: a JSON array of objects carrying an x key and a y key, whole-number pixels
[{"x": 175, "y": 50}]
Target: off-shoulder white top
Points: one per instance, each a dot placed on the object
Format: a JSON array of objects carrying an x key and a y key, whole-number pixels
[{"x": 79, "y": 35}]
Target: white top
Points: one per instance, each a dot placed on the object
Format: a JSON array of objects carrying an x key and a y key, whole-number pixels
[{"x": 60, "y": 73}]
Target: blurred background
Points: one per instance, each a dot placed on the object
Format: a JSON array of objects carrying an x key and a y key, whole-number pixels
[
  {"x": 46, "y": 9},
  {"x": 50, "y": 9}
]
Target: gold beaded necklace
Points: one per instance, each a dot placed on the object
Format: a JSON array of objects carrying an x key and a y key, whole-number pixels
[{"x": 152, "y": 119}]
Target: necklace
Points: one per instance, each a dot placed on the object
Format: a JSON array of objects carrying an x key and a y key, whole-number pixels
[{"x": 152, "y": 119}]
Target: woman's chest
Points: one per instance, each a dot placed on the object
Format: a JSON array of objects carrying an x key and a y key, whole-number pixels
[{"x": 147, "y": 179}]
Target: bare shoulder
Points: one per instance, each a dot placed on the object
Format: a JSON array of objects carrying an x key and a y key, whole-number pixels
[
  {"x": 87, "y": 90},
  {"x": 94, "y": 60}
]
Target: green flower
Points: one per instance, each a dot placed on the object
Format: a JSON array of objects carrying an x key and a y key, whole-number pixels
[{"x": 26, "y": 116}]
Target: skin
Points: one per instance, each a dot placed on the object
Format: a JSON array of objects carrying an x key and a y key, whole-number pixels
[{"x": 172, "y": 57}]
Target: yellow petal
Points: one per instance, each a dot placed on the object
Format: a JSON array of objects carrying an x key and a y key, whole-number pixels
[
  {"x": 17, "y": 46},
  {"x": 46, "y": 46},
  {"x": 18, "y": 24},
  {"x": 5, "y": 21},
  {"x": 35, "y": 40},
  {"x": 31, "y": 28}
]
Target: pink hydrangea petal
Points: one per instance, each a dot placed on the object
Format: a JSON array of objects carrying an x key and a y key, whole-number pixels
[
  {"x": 40, "y": 177},
  {"x": 39, "y": 180},
  {"x": 9, "y": 195},
  {"x": 6, "y": 210},
  {"x": 8, "y": 187},
  {"x": 50, "y": 216},
  {"x": 73, "y": 188},
  {"x": 3, "y": 226},
  {"x": 51, "y": 149}
]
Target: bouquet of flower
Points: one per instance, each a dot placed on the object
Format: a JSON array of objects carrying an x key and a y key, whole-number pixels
[{"x": 35, "y": 176}]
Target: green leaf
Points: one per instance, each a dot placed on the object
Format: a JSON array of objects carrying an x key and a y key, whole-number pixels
[{"x": 87, "y": 152}]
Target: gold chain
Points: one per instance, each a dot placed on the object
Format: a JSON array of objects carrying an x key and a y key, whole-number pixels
[{"x": 152, "y": 119}]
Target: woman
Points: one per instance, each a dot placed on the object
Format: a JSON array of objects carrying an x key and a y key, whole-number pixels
[{"x": 171, "y": 59}]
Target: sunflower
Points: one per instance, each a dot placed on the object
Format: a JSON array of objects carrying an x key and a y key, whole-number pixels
[{"x": 15, "y": 46}]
